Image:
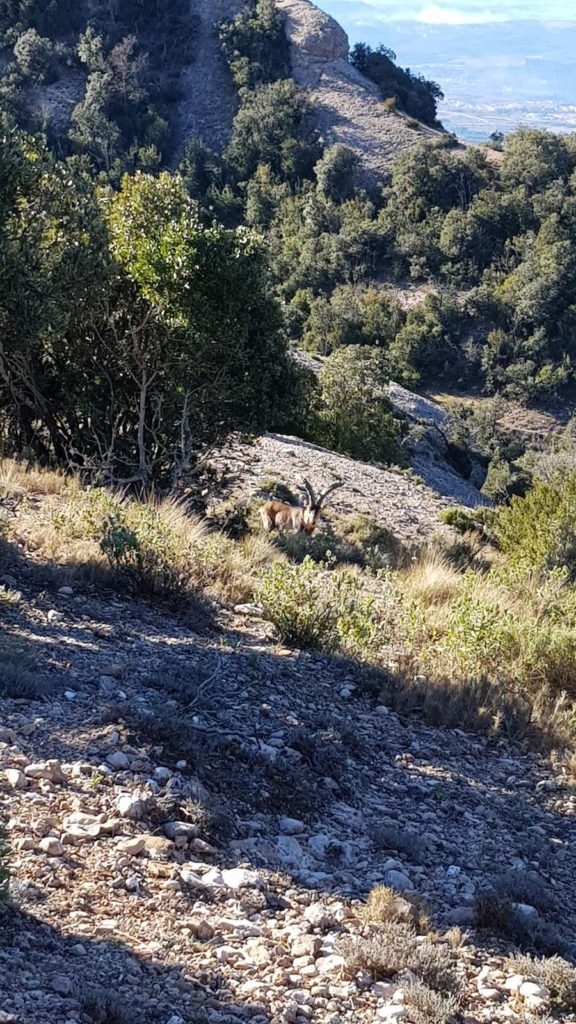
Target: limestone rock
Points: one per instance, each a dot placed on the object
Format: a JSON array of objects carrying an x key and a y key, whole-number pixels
[
  {"x": 49, "y": 770},
  {"x": 15, "y": 778}
]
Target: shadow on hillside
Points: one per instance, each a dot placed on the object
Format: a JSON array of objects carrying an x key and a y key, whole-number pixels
[
  {"x": 60, "y": 977},
  {"x": 221, "y": 708}
]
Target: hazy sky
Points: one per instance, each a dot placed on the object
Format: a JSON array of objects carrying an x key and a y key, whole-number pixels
[{"x": 354, "y": 13}]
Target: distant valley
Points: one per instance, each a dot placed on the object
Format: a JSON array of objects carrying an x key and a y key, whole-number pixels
[{"x": 495, "y": 76}]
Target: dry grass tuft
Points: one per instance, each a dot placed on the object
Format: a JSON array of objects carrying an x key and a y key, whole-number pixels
[
  {"x": 385, "y": 906},
  {"x": 17, "y": 478},
  {"x": 431, "y": 580},
  {"x": 20, "y": 678},
  {"x": 425, "y": 1006},
  {"x": 388, "y": 949}
]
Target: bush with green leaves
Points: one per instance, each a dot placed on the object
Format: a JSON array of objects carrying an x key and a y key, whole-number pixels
[
  {"x": 152, "y": 548},
  {"x": 538, "y": 531},
  {"x": 35, "y": 56},
  {"x": 414, "y": 94},
  {"x": 310, "y": 607},
  {"x": 255, "y": 45},
  {"x": 355, "y": 417}
]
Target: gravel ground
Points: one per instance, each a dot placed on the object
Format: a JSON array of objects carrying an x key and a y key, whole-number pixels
[{"x": 193, "y": 820}]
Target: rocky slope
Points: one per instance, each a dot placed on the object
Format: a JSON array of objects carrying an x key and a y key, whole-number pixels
[
  {"x": 207, "y": 108},
  {"x": 348, "y": 106},
  {"x": 195, "y": 821},
  {"x": 394, "y": 500}
]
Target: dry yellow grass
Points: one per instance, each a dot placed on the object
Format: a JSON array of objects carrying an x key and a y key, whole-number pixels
[
  {"x": 20, "y": 478},
  {"x": 232, "y": 567},
  {"x": 431, "y": 580}
]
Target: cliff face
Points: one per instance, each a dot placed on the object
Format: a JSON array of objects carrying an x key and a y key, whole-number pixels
[{"x": 349, "y": 107}]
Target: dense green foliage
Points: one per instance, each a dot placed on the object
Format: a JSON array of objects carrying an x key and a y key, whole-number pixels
[
  {"x": 132, "y": 334},
  {"x": 414, "y": 94},
  {"x": 355, "y": 416},
  {"x": 136, "y": 328},
  {"x": 127, "y": 53},
  {"x": 539, "y": 531}
]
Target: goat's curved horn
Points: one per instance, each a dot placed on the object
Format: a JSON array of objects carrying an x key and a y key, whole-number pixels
[
  {"x": 309, "y": 491},
  {"x": 333, "y": 487}
]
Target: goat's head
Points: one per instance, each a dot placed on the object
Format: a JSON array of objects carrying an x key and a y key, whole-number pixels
[{"x": 313, "y": 505}]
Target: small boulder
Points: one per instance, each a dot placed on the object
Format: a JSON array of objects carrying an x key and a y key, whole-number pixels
[
  {"x": 118, "y": 760},
  {"x": 49, "y": 770},
  {"x": 62, "y": 984},
  {"x": 132, "y": 846},
  {"x": 291, "y": 826},
  {"x": 240, "y": 878},
  {"x": 399, "y": 881},
  {"x": 51, "y": 846},
  {"x": 15, "y": 778},
  {"x": 332, "y": 964}
]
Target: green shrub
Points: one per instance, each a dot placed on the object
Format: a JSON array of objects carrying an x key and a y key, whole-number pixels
[
  {"x": 539, "y": 530},
  {"x": 481, "y": 637},
  {"x": 355, "y": 416},
  {"x": 467, "y": 520},
  {"x": 310, "y": 607},
  {"x": 152, "y": 548}
]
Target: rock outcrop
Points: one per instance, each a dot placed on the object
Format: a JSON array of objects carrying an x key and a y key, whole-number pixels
[{"x": 348, "y": 106}]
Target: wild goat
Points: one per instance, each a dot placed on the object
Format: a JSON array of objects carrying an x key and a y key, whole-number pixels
[{"x": 278, "y": 515}]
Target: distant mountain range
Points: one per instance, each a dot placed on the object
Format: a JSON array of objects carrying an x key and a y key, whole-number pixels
[{"x": 495, "y": 76}]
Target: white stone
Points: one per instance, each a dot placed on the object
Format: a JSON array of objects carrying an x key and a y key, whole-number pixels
[
  {"x": 240, "y": 878},
  {"x": 526, "y": 910},
  {"x": 49, "y": 770},
  {"x": 131, "y": 805},
  {"x": 392, "y": 1012},
  {"x": 291, "y": 826},
  {"x": 398, "y": 880},
  {"x": 213, "y": 878},
  {"x": 66, "y": 591},
  {"x": 51, "y": 846},
  {"x": 15, "y": 778},
  {"x": 330, "y": 964},
  {"x": 319, "y": 845},
  {"x": 132, "y": 846},
  {"x": 531, "y": 990},
  {"x": 319, "y": 916},
  {"x": 62, "y": 985},
  {"x": 513, "y": 983},
  {"x": 290, "y": 852}
]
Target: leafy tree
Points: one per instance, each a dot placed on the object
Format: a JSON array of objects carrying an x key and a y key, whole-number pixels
[
  {"x": 534, "y": 158},
  {"x": 35, "y": 56},
  {"x": 355, "y": 417},
  {"x": 256, "y": 46},
  {"x": 336, "y": 173},
  {"x": 210, "y": 287},
  {"x": 274, "y": 126},
  {"x": 538, "y": 531}
]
